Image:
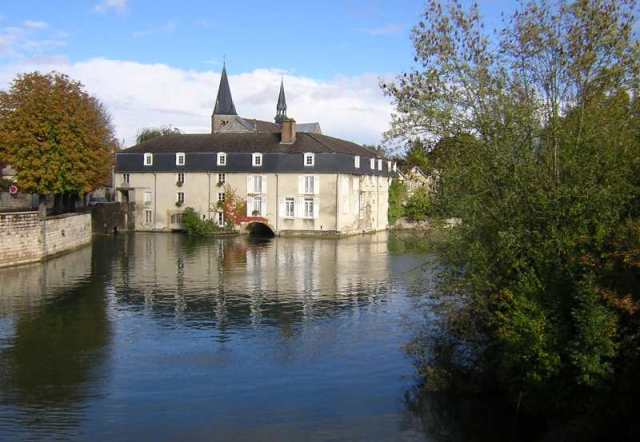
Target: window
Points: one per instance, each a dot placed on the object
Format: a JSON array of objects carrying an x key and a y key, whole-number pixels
[
  {"x": 176, "y": 218},
  {"x": 256, "y": 160},
  {"x": 372, "y": 163},
  {"x": 257, "y": 206},
  {"x": 181, "y": 197},
  {"x": 356, "y": 162},
  {"x": 308, "y": 208},
  {"x": 125, "y": 178},
  {"x": 309, "y": 159},
  {"x": 309, "y": 184},
  {"x": 148, "y": 216},
  {"x": 289, "y": 207},
  {"x": 221, "y": 219},
  {"x": 379, "y": 164},
  {"x": 148, "y": 159},
  {"x": 222, "y": 159},
  {"x": 147, "y": 198},
  {"x": 221, "y": 197},
  {"x": 179, "y": 159},
  {"x": 221, "y": 178},
  {"x": 395, "y": 166},
  {"x": 180, "y": 179},
  {"x": 388, "y": 166},
  {"x": 257, "y": 184}
]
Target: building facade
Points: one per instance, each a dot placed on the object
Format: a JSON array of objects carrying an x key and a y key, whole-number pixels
[{"x": 294, "y": 180}]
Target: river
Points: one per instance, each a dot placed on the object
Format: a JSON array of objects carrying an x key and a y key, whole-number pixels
[{"x": 160, "y": 337}]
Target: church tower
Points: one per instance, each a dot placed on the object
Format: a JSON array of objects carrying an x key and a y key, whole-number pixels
[
  {"x": 224, "y": 117},
  {"x": 281, "y": 107}
]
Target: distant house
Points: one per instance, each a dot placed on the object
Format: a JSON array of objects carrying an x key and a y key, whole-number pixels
[{"x": 415, "y": 178}]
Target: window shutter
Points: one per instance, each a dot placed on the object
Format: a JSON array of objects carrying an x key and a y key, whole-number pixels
[
  {"x": 299, "y": 207},
  {"x": 249, "y": 205},
  {"x": 316, "y": 184},
  {"x": 316, "y": 208},
  {"x": 300, "y": 184},
  {"x": 249, "y": 184},
  {"x": 264, "y": 184}
]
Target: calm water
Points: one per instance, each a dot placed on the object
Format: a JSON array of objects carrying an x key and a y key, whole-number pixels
[{"x": 156, "y": 337}]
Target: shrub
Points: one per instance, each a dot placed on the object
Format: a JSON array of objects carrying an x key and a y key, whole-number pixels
[{"x": 196, "y": 226}]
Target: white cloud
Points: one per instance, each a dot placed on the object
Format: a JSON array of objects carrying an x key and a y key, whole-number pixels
[
  {"x": 143, "y": 95},
  {"x": 107, "y": 5},
  {"x": 35, "y": 24},
  {"x": 388, "y": 29}
]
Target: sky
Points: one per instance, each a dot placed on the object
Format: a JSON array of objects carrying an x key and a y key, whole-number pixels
[{"x": 157, "y": 62}]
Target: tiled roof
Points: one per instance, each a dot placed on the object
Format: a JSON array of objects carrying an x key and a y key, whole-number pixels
[{"x": 249, "y": 142}]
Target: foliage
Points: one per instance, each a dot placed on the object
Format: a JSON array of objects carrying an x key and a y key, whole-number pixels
[
  {"x": 5, "y": 184},
  {"x": 57, "y": 137},
  {"x": 545, "y": 174},
  {"x": 397, "y": 196},
  {"x": 234, "y": 208},
  {"x": 149, "y": 133},
  {"x": 195, "y": 225},
  {"x": 418, "y": 206}
]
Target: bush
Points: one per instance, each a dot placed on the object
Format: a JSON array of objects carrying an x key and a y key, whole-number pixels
[
  {"x": 418, "y": 206},
  {"x": 397, "y": 196},
  {"x": 196, "y": 226}
]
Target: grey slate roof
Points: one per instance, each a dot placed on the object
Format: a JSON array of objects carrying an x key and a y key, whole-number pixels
[
  {"x": 266, "y": 142},
  {"x": 224, "y": 101}
]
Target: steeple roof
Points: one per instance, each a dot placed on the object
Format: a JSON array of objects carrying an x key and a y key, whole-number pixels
[
  {"x": 224, "y": 102},
  {"x": 281, "y": 107}
]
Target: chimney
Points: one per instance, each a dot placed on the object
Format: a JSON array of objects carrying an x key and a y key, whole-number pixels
[{"x": 288, "y": 133}]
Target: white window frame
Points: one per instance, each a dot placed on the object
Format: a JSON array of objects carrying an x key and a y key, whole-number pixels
[
  {"x": 220, "y": 219},
  {"x": 222, "y": 179},
  {"x": 309, "y": 184},
  {"x": 257, "y": 184},
  {"x": 148, "y": 216},
  {"x": 308, "y": 203},
  {"x": 257, "y": 202},
  {"x": 309, "y": 156},
  {"x": 147, "y": 198},
  {"x": 372, "y": 164},
  {"x": 289, "y": 203},
  {"x": 180, "y": 177},
  {"x": 180, "y": 159},
  {"x": 388, "y": 166},
  {"x": 148, "y": 159},
  {"x": 356, "y": 161},
  {"x": 180, "y": 197},
  {"x": 379, "y": 164},
  {"x": 221, "y": 159},
  {"x": 256, "y": 159},
  {"x": 221, "y": 197}
]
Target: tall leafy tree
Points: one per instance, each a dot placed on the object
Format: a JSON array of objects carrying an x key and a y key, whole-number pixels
[
  {"x": 544, "y": 173},
  {"x": 149, "y": 133},
  {"x": 57, "y": 137}
]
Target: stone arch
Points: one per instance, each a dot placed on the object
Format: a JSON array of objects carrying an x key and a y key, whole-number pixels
[{"x": 257, "y": 228}]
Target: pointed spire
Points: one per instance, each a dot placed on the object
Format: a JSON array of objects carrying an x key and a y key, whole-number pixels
[
  {"x": 281, "y": 107},
  {"x": 224, "y": 102}
]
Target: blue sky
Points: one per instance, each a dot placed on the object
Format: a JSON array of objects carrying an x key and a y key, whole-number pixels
[{"x": 330, "y": 45}]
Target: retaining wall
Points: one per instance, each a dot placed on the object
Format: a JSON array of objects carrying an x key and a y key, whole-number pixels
[{"x": 26, "y": 237}]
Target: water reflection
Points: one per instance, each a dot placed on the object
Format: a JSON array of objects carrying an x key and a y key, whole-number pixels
[
  {"x": 155, "y": 336},
  {"x": 53, "y": 342}
]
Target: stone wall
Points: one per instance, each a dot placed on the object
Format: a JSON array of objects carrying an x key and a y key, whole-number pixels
[
  {"x": 21, "y": 201},
  {"x": 26, "y": 237},
  {"x": 114, "y": 217}
]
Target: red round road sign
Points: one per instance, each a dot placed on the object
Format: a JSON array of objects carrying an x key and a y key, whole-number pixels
[{"x": 13, "y": 189}]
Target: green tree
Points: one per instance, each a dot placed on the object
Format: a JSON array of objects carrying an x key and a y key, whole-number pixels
[
  {"x": 149, "y": 133},
  {"x": 397, "y": 198},
  {"x": 57, "y": 137},
  {"x": 544, "y": 174}
]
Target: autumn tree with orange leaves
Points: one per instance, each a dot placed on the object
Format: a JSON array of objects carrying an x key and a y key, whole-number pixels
[{"x": 58, "y": 137}]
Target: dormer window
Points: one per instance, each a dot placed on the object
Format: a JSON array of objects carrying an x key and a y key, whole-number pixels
[
  {"x": 379, "y": 164},
  {"x": 222, "y": 159},
  {"x": 388, "y": 166},
  {"x": 148, "y": 159},
  {"x": 356, "y": 162},
  {"x": 179, "y": 159},
  {"x": 256, "y": 160},
  {"x": 372, "y": 163},
  {"x": 309, "y": 159}
]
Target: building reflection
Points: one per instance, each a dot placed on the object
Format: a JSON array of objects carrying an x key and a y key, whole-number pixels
[
  {"x": 242, "y": 282},
  {"x": 53, "y": 341}
]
